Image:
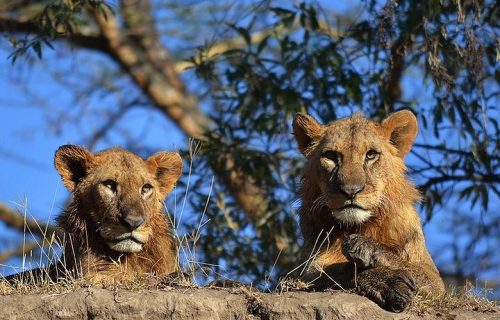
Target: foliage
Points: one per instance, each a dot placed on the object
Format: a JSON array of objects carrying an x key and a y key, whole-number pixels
[
  {"x": 310, "y": 60},
  {"x": 57, "y": 19},
  {"x": 305, "y": 66}
]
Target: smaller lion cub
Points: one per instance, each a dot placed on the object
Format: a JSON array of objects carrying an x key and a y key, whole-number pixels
[
  {"x": 358, "y": 218},
  {"x": 115, "y": 227}
]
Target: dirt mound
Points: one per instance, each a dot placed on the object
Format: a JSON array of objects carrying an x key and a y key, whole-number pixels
[{"x": 195, "y": 303}]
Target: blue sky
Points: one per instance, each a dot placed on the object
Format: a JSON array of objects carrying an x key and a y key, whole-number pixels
[
  {"x": 29, "y": 137},
  {"x": 27, "y": 145}
]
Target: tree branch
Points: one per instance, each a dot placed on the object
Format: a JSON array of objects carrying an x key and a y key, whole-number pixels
[
  {"x": 23, "y": 23},
  {"x": 151, "y": 69},
  {"x": 18, "y": 252},
  {"x": 450, "y": 150},
  {"x": 239, "y": 42},
  {"x": 138, "y": 50},
  {"x": 136, "y": 47},
  {"x": 17, "y": 221},
  {"x": 487, "y": 178}
]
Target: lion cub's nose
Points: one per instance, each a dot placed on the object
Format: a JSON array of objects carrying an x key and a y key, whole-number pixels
[
  {"x": 132, "y": 221},
  {"x": 351, "y": 190}
]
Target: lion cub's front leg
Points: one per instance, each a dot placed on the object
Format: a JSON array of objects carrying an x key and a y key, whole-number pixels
[
  {"x": 361, "y": 250},
  {"x": 392, "y": 289},
  {"x": 368, "y": 253},
  {"x": 382, "y": 276}
]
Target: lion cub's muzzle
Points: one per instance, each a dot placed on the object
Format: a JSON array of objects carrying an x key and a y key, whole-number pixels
[
  {"x": 347, "y": 209},
  {"x": 131, "y": 221},
  {"x": 128, "y": 242},
  {"x": 351, "y": 190},
  {"x": 129, "y": 235}
]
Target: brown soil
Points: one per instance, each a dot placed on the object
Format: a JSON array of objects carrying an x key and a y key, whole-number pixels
[{"x": 204, "y": 303}]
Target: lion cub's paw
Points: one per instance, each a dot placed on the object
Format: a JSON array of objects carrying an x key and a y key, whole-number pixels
[
  {"x": 399, "y": 292},
  {"x": 360, "y": 249}
]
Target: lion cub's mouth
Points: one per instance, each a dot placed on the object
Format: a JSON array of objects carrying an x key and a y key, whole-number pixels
[
  {"x": 351, "y": 206},
  {"x": 126, "y": 243},
  {"x": 351, "y": 214}
]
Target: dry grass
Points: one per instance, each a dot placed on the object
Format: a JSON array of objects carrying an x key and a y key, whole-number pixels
[
  {"x": 144, "y": 282},
  {"x": 290, "y": 284},
  {"x": 464, "y": 299}
]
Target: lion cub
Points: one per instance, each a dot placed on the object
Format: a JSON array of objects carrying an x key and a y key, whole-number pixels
[
  {"x": 114, "y": 226},
  {"x": 358, "y": 218}
]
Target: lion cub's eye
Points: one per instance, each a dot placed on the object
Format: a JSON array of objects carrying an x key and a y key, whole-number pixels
[
  {"x": 372, "y": 154},
  {"x": 110, "y": 184},
  {"x": 146, "y": 189},
  {"x": 331, "y": 155}
]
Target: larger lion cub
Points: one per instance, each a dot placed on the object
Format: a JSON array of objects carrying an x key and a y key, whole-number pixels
[
  {"x": 115, "y": 226},
  {"x": 358, "y": 217}
]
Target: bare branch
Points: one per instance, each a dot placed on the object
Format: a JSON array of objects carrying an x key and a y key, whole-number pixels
[
  {"x": 139, "y": 51},
  {"x": 18, "y": 252},
  {"x": 152, "y": 70},
  {"x": 239, "y": 42},
  {"x": 17, "y": 221},
  {"x": 450, "y": 150},
  {"x": 25, "y": 24},
  {"x": 487, "y": 178}
]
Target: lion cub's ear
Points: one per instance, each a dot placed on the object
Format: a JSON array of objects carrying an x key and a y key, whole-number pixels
[
  {"x": 72, "y": 162},
  {"x": 306, "y": 130},
  {"x": 401, "y": 128},
  {"x": 167, "y": 166}
]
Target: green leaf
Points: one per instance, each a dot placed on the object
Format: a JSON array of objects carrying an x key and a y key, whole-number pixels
[
  {"x": 245, "y": 33},
  {"x": 262, "y": 45},
  {"x": 38, "y": 49}
]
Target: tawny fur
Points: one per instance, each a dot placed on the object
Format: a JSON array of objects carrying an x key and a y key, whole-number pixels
[
  {"x": 95, "y": 210},
  {"x": 385, "y": 257}
]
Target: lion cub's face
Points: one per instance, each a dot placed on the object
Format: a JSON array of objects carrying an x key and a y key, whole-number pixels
[
  {"x": 352, "y": 160},
  {"x": 117, "y": 191}
]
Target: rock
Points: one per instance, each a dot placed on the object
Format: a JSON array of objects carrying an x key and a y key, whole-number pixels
[{"x": 203, "y": 303}]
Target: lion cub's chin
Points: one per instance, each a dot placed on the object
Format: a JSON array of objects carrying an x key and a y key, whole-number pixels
[
  {"x": 129, "y": 242},
  {"x": 351, "y": 215},
  {"x": 125, "y": 246}
]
